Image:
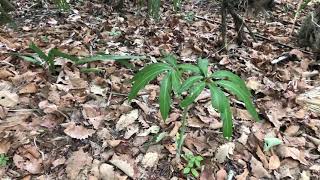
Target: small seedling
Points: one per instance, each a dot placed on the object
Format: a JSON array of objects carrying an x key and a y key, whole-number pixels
[
  {"x": 115, "y": 32},
  {"x": 180, "y": 78},
  {"x": 193, "y": 164},
  {"x": 62, "y": 5},
  {"x": 3, "y": 160},
  {"x": 189, "y": 16},
  {"x": 270, "y": 142}
]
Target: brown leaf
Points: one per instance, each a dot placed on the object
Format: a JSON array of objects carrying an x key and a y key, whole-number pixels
[
  {"x": 257, "y": 169},
  {"x": 274, "y": 162},
  {"x": 77, "y": 131},
  {"x": 262, "y": 157},
  {"x": 292, "y": 130},
  {"x": 76, "y": 162},
  {"x": 107, "y": 172},
  {"x": 243, "y": 176},
  {"x": 127, "y": 119},
  {"x": 8, "y": 99},
  {"x": 126, "y": 164},
  {"x": 4, "y": 146},
  {"x": 29, "y": 89},
  {"x": 221, "y": 174},
  {"x": 292, "y": 152},
  {"x": 207, "y": 173}
]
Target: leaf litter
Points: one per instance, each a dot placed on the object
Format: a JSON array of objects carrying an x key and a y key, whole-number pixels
[{"x": 79, "y": 125}]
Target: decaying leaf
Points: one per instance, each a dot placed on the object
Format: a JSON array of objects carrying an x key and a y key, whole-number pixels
[
  {"x": 126, "y": 164},
  {"x": 292, "y": 152},
  {"x": 127, "y": 119},
  {"x": 107, "y": 172},
  {"x": 150, "y": 159},
  {"x": 274, "y": 162},
  {"x": 8, "y": 99},
  {"x": 223, "y": 152},
  {"x": 257, "y": 169},
  {"x": 77, "y": 131},
  {"x": 76, "y": 162}
]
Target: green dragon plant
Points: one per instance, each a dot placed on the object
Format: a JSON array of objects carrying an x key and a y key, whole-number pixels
[
  {"x": 48, "y": 60},
  {"x": 180, "y": 78}
]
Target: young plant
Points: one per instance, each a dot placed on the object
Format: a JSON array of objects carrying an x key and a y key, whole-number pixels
[
  {"x": 154, "y": 8},
  {"x": 193, "y": 79},
  {"x": 177, "y": 5},
  {"x": 193, "y": 164},
  {"x": 63, "y": 5},
  {"x": 115, "y": 32},
  {"x": 3, "y": 160}
]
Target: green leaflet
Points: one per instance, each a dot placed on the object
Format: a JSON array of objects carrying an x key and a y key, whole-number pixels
[
  {"x": 241, "y": 94},
  {"x": 203, "y": 66},
  {"x": 221, "y": 103},
  {"x": 37, "y": 50},
  {"x": 56, "y": 53},
  {"x": 176, "y": 81},
  {"x": 145, "y": 76},
  {"x": 189, "y": 67},
  {"x": 188, "y": 83},
  {"x": 106, "y": 57},
  {"x": 151, "y": 67},
  {"x": 170, "y": 59},
  {"x": 193, "y": 95},
  {"x": 223, "y": 74},
  {"x": 165, "y": 98},
  {"x": 194, "y": 172},
  {"x": 30, "y": 59},
  {"x": 270, "y": 142}
]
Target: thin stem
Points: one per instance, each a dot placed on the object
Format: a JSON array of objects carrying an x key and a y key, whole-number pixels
[{"x": 181, "y": 137}]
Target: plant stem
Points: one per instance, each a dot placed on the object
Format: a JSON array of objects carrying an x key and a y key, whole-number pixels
[{"x": 183, "y": 127}]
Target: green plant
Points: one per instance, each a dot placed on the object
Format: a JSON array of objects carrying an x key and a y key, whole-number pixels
[
  {"x": 115, "y": 32},
  {"x": 193, "y": 164},
  {"x": 177, "y": 4},
  {"x": 189, "y": 16},
  {"x": 180, "y": 78},
  {"x": 63, "y": 5},
  {"x": 41, "y": 59},
  {"x": 154, "y": 8},
  {"x": 3, "y": 160}
]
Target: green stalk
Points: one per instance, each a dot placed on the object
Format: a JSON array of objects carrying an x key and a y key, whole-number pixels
[{"x": 182, "y": 132}]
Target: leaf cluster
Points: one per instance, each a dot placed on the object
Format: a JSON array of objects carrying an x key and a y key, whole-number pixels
[
  {"x": 3, "y": 160},
  {"x": 192, "y": 79},
  {"x": 193, "y": 163}
]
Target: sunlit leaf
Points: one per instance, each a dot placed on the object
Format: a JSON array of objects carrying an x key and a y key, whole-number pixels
[
  {"x": 241, "y": 94},
  {"x": 203, "y": 66},
  {"x": 228, "y": 75},
  {"x": 270, "y": 142},
  {"x": 186, "y": 170},
  {"x": 188, "y": 83},
  {"x": 165, "y": 97},
  {"x": 221, "y": 103},
  {"x": 144, "y": 76},
  {"x": 194, "y": 172},
  {"x": 195, "y": 92}
]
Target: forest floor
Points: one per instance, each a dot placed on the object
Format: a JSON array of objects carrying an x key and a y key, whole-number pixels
[{"x": 78, "y": 125}]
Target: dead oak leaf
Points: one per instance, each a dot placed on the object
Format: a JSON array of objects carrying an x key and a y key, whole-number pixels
[
  {"x": 257, "y": 169},
  {"x": 274, "y": 162},
  {"x": 77, "y": 161},
  {"x": 77, "y": 131},
  {"x": 8, "y": 99},
  {"x": 223, "y": 152},
  {"x": 125, "y": 164}
]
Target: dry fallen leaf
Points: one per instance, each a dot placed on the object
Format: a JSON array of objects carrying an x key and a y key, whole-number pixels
[
  {"x": 77, "y": 131},
  {"x": 150, "y": 159},
  {"x": 223, "y": 152},
  {"x": 221, "y": 174},
  {"x": 257, "y": 169},
  {"x": 292, "y": 152},
  {"x": 127, "y": 119},
  {"x": 8, "y": 99},
  {"x": 126, "y": 164},
  {"x": 76, "y": 162},
  {"x": 107, "y": 172},
  {"x": 274, "y": 162},
  {"x": 243, "y": 176}
]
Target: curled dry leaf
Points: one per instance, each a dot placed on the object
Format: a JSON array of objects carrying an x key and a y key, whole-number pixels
[
  {"x": 77, "y": 131},
  {"x": 126, "y": 164},
  {"x": 29, "y": 159},
  {"x": 8, "y": 99},
  {"x": 127, "y": 119},
  {"x": 77, "y": 161},
  {"x": 150, "y": 159}
]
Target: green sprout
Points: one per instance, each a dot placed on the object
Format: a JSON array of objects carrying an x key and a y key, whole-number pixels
[
  {"x": 3, "y": 160},
  {"x": 193, "y": 164}
]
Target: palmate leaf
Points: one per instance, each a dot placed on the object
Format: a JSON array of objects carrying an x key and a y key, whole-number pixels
[
  {"x": 240, "y": 94},
  {"x": 165, "y": 97},
  {"x": 220, "y": 102},
  {"x": 203, "y": 66},
  {"x": 189, "y": 67},
  {"x": 144, "y": 76},
  {"x": 195, "y": 92},
  {"x": 223, "y": 74},
  {"x": 188, "y": 83}
]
